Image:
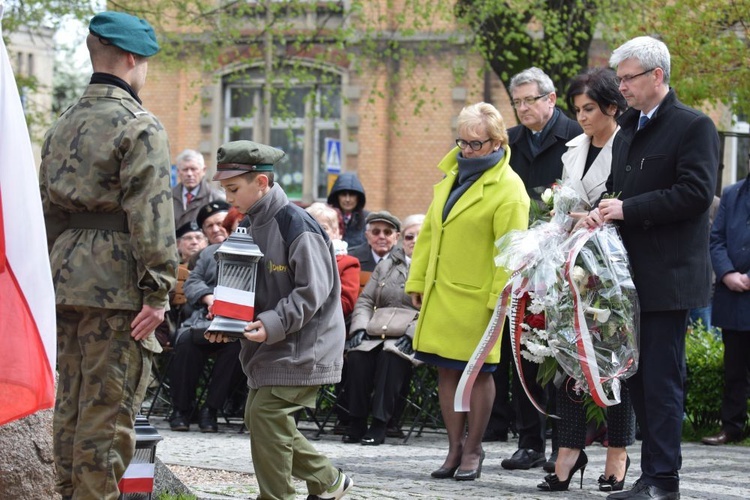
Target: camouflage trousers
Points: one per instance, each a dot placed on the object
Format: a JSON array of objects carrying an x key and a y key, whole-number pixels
[{"x": 103, "y": 375}]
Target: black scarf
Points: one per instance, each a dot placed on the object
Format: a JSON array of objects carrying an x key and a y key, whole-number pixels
[
  {"x": 107, "y": 79},
  {"x": 469, "y": 170}
]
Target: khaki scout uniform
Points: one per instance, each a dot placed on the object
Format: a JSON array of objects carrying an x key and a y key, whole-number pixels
[{"x": 110, "y": 226}]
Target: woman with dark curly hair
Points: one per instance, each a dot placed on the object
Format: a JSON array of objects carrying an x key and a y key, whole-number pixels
[{"x": 595, "y": 98}]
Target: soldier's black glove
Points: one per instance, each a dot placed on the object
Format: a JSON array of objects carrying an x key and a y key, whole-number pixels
[
  {"x": 403, "y": 344},
  {"x": 356, "y": 339}
]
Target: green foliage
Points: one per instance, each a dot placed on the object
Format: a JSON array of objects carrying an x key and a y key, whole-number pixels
[
  {"x": 513, "y": 35},
  {"x": 705, "y": 378},
  {"x": 709, "y": 41}
]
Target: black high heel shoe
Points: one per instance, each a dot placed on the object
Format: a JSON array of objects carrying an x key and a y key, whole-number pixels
[
  {"x": 444, "y": 472},
  {"x": 470, "y": 475},
  {"x": 553, "y": 483},
  {"x": 611, "y": 483}
]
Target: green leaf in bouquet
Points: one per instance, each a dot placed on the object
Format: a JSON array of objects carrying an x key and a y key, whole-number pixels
[{"x": 547, "y": 371}]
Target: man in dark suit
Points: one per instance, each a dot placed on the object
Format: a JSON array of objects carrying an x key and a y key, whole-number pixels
[
  {"x": 193, "y": 191},
  {"x": 664, "y": 166},
  {"x": 536, "y": 146}
]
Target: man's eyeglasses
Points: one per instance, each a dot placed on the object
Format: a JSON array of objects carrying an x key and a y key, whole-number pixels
[
  {"x": 376, "y": 231},
  {"x": 626, "y": 79},
  {"x": 410, "y": 237},
  {"x": 528, "y": 101},
  {"x": 474, "y": 145}
]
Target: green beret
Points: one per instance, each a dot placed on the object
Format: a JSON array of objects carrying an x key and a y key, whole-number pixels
[
  {"x": 127, "y": 32},
  {"x": 239, "y": 157}
]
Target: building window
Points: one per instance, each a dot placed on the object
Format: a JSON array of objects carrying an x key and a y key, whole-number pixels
[{"x": 303, "y": 115}]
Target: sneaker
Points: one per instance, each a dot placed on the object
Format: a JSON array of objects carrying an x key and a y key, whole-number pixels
[
  {"x": 337, "y": 490},
  {"x": 207, "y": 420},
  {"x": 524, "y": 460},
  {"x": 178, "y": 421}
]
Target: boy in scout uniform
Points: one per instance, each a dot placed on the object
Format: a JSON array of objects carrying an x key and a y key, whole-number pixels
[
  {"x": 104, "y": 183},
  {"x": 296, "y": 341}
]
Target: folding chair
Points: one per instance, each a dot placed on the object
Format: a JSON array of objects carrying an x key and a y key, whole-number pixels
[
  {"x": 422, "y": 403},
  {"x": 157, "y": 398}
]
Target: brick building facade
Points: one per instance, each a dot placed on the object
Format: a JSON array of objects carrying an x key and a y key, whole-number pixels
[{"x": 393, "y": 150}]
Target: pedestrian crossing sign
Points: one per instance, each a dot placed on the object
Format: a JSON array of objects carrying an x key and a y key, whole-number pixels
[{"x": 333, "y": 156}]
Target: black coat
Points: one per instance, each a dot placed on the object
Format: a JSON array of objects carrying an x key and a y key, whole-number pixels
[
  {"x": 730, "y": 252},
  {"x": 541, "y": 171},
  {"x": 666, "y": 176},
  {"x": 363, "y": 253},
  {"x": 354, "y": 228}
]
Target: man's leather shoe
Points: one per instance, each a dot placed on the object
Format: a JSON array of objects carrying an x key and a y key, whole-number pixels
[
  {"x": 394, "y": 431},
  {"x": 207, "y": 420},
  {"x": 642, "y": 491},
  {"x": 524, "y": 459},
  {"x": 549, "y": 465},
  {"x": 178, "y": 421},
  {"x": 723, "y": 437}
]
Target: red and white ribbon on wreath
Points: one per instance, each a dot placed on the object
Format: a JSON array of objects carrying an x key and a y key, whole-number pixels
[
  {"x": 514, "y": 290},
  {"x": 584, "y": 343},
  {"x": 233, "y": 303}
]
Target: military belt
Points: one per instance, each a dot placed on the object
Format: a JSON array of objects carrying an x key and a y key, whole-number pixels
[{"x": 116, "y": 221}]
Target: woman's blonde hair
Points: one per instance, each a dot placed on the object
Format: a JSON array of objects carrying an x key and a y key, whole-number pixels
[{"x": 483, "y": 115}]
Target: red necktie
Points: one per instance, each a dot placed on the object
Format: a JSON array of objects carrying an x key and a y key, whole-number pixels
[{"x": 189, "y": 197}]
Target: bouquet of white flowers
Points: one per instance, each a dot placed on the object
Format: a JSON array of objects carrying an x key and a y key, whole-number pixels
[{"x": 571, "y": 303}]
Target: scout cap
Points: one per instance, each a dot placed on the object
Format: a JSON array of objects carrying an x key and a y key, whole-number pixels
[
  {"x": 211, "y": 208},
  {"x": 127, "y": 32},
  {"x": 239, "y": 157},
  {"x": 188, "y": 227},
  {"x": 384, "y": 216}
]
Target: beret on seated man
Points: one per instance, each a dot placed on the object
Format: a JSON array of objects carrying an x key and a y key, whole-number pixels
[{"x": 210, "y": 219}]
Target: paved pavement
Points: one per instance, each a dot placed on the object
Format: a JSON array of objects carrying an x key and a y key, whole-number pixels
[{"x": 399, "y": 471}]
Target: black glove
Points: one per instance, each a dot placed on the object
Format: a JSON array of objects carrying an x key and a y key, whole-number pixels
[
  {"x": 403, "y": 344},
  {"x": 356, "y": 339}
]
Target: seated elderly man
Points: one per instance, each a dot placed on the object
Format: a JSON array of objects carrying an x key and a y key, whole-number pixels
[
  {"x": 193, "y": 190},
  {"x": 190, "y": 241},
  {"x": 382, "y": 231},
  {"x": 210, "y": 218},
  {"x": 192, "y": 350}
]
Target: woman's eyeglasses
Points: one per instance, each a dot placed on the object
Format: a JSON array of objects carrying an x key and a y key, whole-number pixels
[
  {"x": 410, "y": 237},
  {"x": 474, "y": 145},
  {"x": 376, "y": 231}
]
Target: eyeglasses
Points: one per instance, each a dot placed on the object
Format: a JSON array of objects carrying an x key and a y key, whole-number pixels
[
  {"x": 528, "y": 101},
  {"x": 626, "y": 79},
  {"x": 410, "y": 237},
  {"x": 474, "y": 145},
  {"x": 386, "y": 232}
]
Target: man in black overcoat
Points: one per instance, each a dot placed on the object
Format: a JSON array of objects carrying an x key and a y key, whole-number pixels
[{"x": 664, "y": 166}]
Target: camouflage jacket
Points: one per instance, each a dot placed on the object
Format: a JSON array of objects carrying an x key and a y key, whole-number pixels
[{"x": 107, "y": 154}]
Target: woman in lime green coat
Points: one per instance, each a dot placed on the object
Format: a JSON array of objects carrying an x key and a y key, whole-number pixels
[{"x": 453, "y": 277}]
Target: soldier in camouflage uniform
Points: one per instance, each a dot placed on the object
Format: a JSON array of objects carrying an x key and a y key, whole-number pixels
[{"x": 110, "y": 226}]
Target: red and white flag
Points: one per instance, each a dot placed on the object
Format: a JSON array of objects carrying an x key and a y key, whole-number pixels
[{"x": 27, "y": 297}]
